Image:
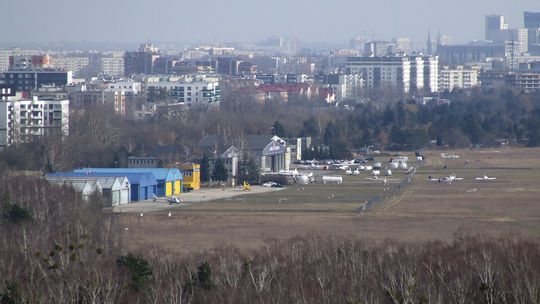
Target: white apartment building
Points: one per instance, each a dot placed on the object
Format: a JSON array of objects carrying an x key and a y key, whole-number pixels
[
  {"x": 458, "y": 78},
  {"x": 346, "y": 87},
  {"x": 129, "y": 86},
  {"x": 78, "y": 65},
  {"x": 21, "y": 120},
  {"x": 192, "y": 90},
  {"x": 382, "y": 72},
  {"x": 5, "y": 54},
  {"x": 112, "y": 66}
]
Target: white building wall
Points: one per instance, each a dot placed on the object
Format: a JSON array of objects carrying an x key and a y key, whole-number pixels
[
  {"x": 112, "y": 66},
  {"x": 23, "y": 118}
]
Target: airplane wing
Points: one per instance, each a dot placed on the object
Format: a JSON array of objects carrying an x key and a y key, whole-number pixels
[
  {"x": 479, "y": 178},
  {"x": 458, "y": 178},
  {"x": 491, "y": 178}
]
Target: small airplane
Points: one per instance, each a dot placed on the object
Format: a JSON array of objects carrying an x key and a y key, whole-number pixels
[
  {"x": 356, "y": 172},
  {"x": 171, "y": 199},
  {"x": 449, "y": 156},
  {"x": 446, "y": 179},
  {"x": 376, "y": 172},
  {"x": 388, "y": 172},
  {"x": 349, "y": 172},
  {"x": 485, "y": 178},
  {"x": 378, "y": 179}
]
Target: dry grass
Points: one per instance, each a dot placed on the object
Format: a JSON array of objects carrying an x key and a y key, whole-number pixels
[{"x": 426, "y": 211}]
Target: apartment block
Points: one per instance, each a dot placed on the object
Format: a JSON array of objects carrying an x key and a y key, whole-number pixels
[{"x": 23, "y": 120}]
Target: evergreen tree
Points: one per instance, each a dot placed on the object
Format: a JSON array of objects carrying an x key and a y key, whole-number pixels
[
  {"x": 248, "y": 171},
  {"x": 253, "y": 171},
  {"x": 205, "y": 172},
  {"x": 220, "y": 172},
  {"x": 279, "y": 130}
]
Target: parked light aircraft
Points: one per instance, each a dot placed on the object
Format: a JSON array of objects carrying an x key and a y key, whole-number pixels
[
  {"x": 449, "y": 156},
  {"x": 446, "y": 179},
  {"x": 378, "y": 179},
  {"x": 485, "y": 178}
]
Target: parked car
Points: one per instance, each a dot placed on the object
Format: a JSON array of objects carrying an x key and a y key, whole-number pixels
[
  {"x": 276, "y": 185},
  {"x": 187, "y": 189},
  {"x": 269, "y": 184}
]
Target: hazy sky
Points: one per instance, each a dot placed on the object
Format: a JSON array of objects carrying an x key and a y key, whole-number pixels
[{"x": 249, "y": 20}]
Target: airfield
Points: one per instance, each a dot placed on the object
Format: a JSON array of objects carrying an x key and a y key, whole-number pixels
[{"x": 421, "y": 211}]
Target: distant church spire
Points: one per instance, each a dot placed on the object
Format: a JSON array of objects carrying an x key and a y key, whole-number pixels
[{"x": 429, "y": 47}]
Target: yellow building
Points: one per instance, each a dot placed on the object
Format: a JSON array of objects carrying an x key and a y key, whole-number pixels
[{"x": 192, "y": 175}]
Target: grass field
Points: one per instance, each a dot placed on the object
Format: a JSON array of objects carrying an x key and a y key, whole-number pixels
[{"x": 423, "y": 211}]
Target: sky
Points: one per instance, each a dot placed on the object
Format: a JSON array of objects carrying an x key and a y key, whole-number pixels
[{"x": 335, "y": 21}]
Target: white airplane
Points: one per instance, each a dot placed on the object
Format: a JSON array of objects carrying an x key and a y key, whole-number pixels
[
  {"x": 356, "y": 172},
  {"x": 376, "y": 172},
  {"x": 446, "y": 179},
  {"x": 348, "y": 172},
  {"x": 378, "y": 179},
  {"x": 171, "y": 199},
  {"x": 485, "y": 178},
  {"x": 388, "y": 172},
  {"x": 449, "y": 156}
]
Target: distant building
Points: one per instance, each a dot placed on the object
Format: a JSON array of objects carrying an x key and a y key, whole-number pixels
[
  {"x": 270, "y": 152},
  {"x": 495, "y": 25},
  {"x": 112, "y": 66},
  {"x": 531, "y": 19},
  {"x": 33, "y": 80},
  {"x": 382, "y": 72},
  {"x": 22, "y": 120},
  {"x": 143, "y": 162},
  {"x": 469, "y": 53},
  {"x": 6, "y": 91},
  {"x": 197, "y": 90},
  {"x": 141, "y": 61},
  {"x": 346, "y": 87},
  {"x": 6, "y": 54},
  {"x": 458, "y": 78},
  {"x": 29, "y": 62},
  {"x": 191, "y": 174},
  {"x": 80, "y": 66},
  {"x": 527, "y": 81}
]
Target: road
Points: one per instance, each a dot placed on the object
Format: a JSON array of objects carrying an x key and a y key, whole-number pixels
[{"x": 190, "y": 198}]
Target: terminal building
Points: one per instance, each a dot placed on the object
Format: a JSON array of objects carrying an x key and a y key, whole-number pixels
[{"x": 271, "y": 153}]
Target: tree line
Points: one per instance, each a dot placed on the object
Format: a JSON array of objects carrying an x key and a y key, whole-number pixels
[
  {"x": 99, "y": 138},
  {"x": 55, "y": 248}
]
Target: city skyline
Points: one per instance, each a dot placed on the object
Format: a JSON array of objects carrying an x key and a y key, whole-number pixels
[{"x": 210, "y": 21}]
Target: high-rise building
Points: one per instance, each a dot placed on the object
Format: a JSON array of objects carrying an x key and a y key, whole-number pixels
[
  {"x": 531, "y": 19},
  {"x": 23, "y": 120},
  {"x": 382, "y": 72},
  {"x": 142, "y": 61},
  {"x": 495, "y": 25},
  {"x": 521, "y": 37}
]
